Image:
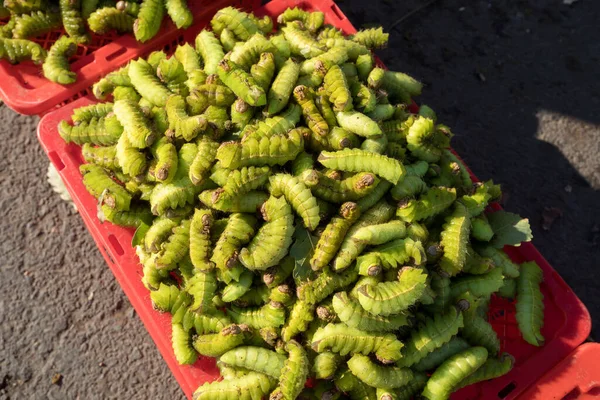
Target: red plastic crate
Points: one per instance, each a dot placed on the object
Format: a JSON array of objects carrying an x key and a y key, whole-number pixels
[
  {"x": 24, "y": 89},
  {"x": 567, "y": 321},
  {"x": 576, "y": 377}
]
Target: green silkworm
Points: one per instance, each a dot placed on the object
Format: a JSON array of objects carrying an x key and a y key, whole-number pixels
[
  {"x": 350, "y": 189},
  {"x": 25, "y": 6},
  {"x": 530, "y": 304},
  {"x": 272, "y": 240},
  {"x": 373, "y": 38},
  {"x": 248, "y": 52},
  {"x": 454, "y": 239},
  {"x": 125, "y": 93},
  {"x": 86, "y": 113},
  {"x": 219, "y": 200},
  {"x": 274, "y": 276},
  {"x": 271, "y": 314},
  {"x": 492, "y": 368},
  {"x": 412, "y": 184},
  {"x": 202, "y": 287},
  {"x": 180, "y": 13},
  {"x": 216, "y": 344},
  {"x": 106, "y": 85},
  {"x": 263, "y": 70},
  {"x": 352, "y": 314},
  {"x": 355, "y": 160},
  {"x": 441, "y": 286},
  {"x": 336, "y": 87},
  {"x": 508, "y": 290},
  {"x": 147, "y": 84},
  {"x": 215, "y": 94},
  {"x": 382, "y": 112},
  {"x": 312, "y": 20},
  {"x": 17, "y": 50},
  {"x": 452, "y": 172},
  {"x": 200, "y": 245},
  {"x": 149, "y": 20},
  {"x": 282, "y": 294},
  {"x": 231, "y": 373},
  {"x": 481, "y": 229},
  {"x": 72, "y": 20},
  {"x": 137, "y": 127},
  {"x": 432, "y": 202},
  {"x": 346, "y": 382},
  {"x": 35, "y": 24},
  {"x": 325, "y": 365},
  {"x": 228, "y": 40},
  {"x": 301, "y": 315},
  {"x": 477, "y": 331},
  {"x": 175, "y": 248},
  {"x": 298, "y": 195},
  {"x": 448, "y": 376},
  {"x": 477, "y": 199},
  {"x": 158, "y": 233},
  {"x": 312, "y": 116},
  {"x": 240, "y": 181},
  {"x": 377, "y": 145},
  {"x": 277, "y": 125},
  {"x": 275, "y": 150},
  {"x": 242, "y": 83},
  {"x": 381, "y": 233},
  {"x": 106, "y": 157},
  {"x": 182, "y": 347},
  {"x": 340, "y": 139},
  {"x": 304, "y": 161},
  {"x": 396, "y": 130},
  {"x": 378, "y": 376},
  {"x": 478, "y": 285},
  {"x": 325, "y": 284},
  {"x": 441, "y": 354},
  {"x": 334, "y": 56},
  {"x": 136, "y": 216},
  {"x": 165, "y": 154},
  {"x": 426, "y": 141},
  {"x": 343, "y": 340},
  {"x": 359, "y": 124},
  {"x": 431, "y": 334},
  {"x": 256, "y": 359},
  {"x": 238, "y": 231},
  {"x": 475, "y": 264},
  {"x": 301, "y": 42},
  {"x": 100, "y": 185},
  {"x": 236, "y": 21},
  {"x": 171, "y": 72},
  {"x": 241, "y": 114},
  {"x": 129, "y": 158},
  {"x": 210, "y": 50},
  {"x": 294, "y": 373},
  {"x": 249, "y": 387},
  {"x": 388, "y": 298},
  {"x": 107, "y": 19},
  {"x": 183, "y": 125},
  {"x": 500, "y": 259}
]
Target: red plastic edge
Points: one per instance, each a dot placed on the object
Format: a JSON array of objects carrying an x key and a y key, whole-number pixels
[
  {"x": 576, "y": 377},
  {"x": 566, "y": 327},
  {"x": 23, "y": 88}
]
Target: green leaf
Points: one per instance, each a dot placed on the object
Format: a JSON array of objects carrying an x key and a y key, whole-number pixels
[
  {"x": 301, "y": 251},
  {"x": 509, "y": 229},
  {"x": 138, "y": 236}
]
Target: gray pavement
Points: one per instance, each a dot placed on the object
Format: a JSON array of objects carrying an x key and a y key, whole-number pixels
[{"x": 520, "y": 86}]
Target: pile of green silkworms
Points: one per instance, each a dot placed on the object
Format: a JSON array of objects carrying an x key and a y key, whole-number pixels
[
  {"x": 297, "y": 219},
  {"x": 28, "y": 19}
]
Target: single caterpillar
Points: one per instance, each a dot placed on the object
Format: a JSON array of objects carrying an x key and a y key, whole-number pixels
[
  {"x": 335, "y": 191},
  {"x": 228, "y": 40},
  {"x": 294, "y": 373},
  {"x": 256, "y": 359},
  {"x": 271, "y": 314},
  {"x": 210, "y": 50},
  {"x": 100, "y": 185},
  {"x": 324, "y": 285},
  {"x": 334, "y": 56},
  {"x": 477, "y": 200},
  {"x": 101, "y": 131},
  {"x": 171, "y": 72},
  {"x": 301, "y": 42},
  {"x": 432, "y": 202},
  {"x": 352, "y": 314},
  {"x": 236, "y": 289},
  {"x": 406, "y": 392},
  {"x": 175, "y": 248},
  {"x": 241, "y": 114},
  {"x": 180, "y": 13},
  {"x": 72, "y": 20},
  {"x": 373, "y": 38},
  {"x": 382, "y": 112},
  {"x": 236, "y": 21},
  {"x": 219, "y": 200},
  {"x": 182, "y": 347},
  {"x": 312, "y": 20},
  {"x": 136, "y": 216},
  {"x": 501, "y": 260},
  {"x": 56, "y": 66},
  {"x": 432, "y": 333},
  {"x": 86, "y": 113},
  {"x": 346, "y": 382},
  {"x": 355, "y": 160},
  {"x": 215, "y": 94},
  {"x": 448, "y": 376},
  {"x": 365, "y": 98},
  {"x": 364, "y": 65},
  {"x": 248, "y": 387},
  {"x": 17, "y": 50},
  {"x": 354, "y": 49},
  {"x": 200, "y": 245},
  {"x": 149, "y": 19},
  {"x": 342, "y": 339},
  {"x": 272, "y": 240},
  {"x": 137, "y": 127},
  {"x": 454, "y": 239},
  {"x": 276, "y": 150},
  {"x": 106, "y": 85},
  {"x": 146, "y": 83},
  {"x": 165, "y": 154},
  {"x": 238, "y": 231},
  {"x": 333, "y": 235},
  {"x": 530, "y": 305},
  {"x": 481, "y": 229},
  {"x": 106, "y": 19},
  {"x": 388, "y": 298},
  {"x": 478, "y": 285},
  {"x": 381, "y": 233},
  {"x": 249, "y": 52},
  {"x": 242, "y": 83},
  {"x": 106, "y": 157},
  {"x": 492, "y": 368},
  {"x": 277, "y": 125},
  {"x": 240, "y": 181},
  {"x": 312, "y": 116},
  {"x": 426, "y": 141},
  {"x": 301, "y": 315},
  {"x": 35, "y": 24},
  {"x": 441, "y": 354},
  {"x": 325, "y": 365},
  {"x": 441, "y": 286},
  {"x": 477, "y": 331},
  {"x": 378, "y": 376},
  {"x": 298, "y": 195},
  {"x": 336, "y": 87}
]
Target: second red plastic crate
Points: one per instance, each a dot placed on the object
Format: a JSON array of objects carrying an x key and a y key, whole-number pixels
[{"x": 567, "y": 322}]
